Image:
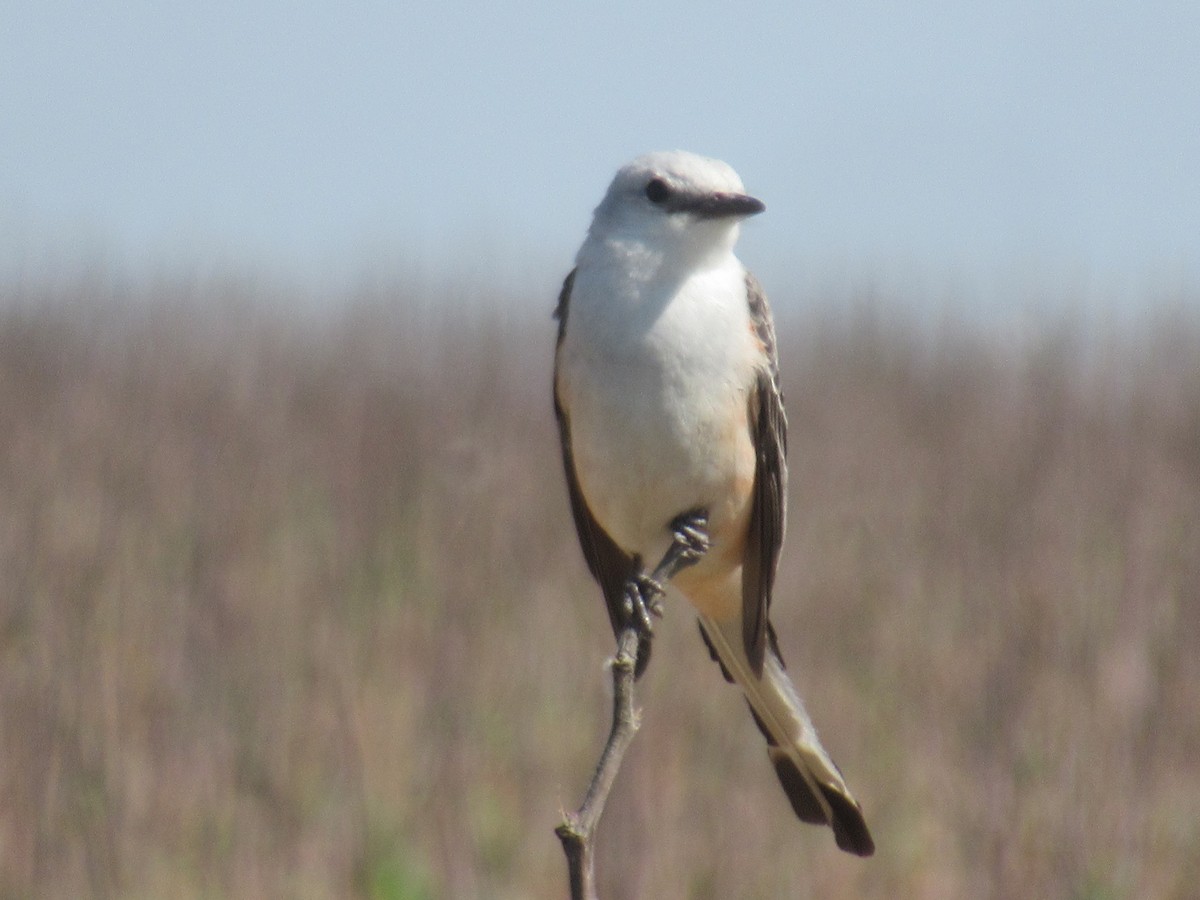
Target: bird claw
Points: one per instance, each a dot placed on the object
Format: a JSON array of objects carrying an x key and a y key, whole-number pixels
[
  {"x": 644, "y": 593},
  {"x": 691, "y": 535},
  {"x": 643, "y": 602},
  {"x": 691, "y": 542}
]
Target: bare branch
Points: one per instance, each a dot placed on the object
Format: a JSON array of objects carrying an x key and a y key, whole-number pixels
[{"x": 577, "y": 829}]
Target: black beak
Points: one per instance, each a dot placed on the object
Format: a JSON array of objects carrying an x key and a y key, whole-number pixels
[{"x": 721, "y": 205}]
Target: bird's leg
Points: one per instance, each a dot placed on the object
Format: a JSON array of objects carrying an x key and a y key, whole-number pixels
[
  {"x": 690, "y": 533},
  {"x": 643, "y": 593}
]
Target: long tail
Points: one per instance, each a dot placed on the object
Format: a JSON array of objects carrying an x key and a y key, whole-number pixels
[{"x": 809, "y": 777}]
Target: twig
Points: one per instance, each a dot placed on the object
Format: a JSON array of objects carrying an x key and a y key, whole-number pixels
[{"x": 577, "y": 828}]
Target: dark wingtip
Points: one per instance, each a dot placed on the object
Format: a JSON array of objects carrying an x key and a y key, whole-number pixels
[
  {"x": 643, "y": 657},
  {"x": 712, "y": 651}
]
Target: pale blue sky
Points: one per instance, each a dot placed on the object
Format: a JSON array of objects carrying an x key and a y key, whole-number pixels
[{"x": 955, "y": 142}]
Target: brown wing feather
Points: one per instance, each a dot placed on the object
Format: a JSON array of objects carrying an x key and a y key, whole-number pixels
[
  {"x": 768, "y": 514},
  {"x": 611, "y": 566}
]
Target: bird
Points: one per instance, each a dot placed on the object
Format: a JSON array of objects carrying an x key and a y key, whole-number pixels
[{"x": 669, "y": 408}]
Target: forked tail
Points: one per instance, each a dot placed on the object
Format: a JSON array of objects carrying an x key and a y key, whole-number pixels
[{"x": 809, "y": 777}]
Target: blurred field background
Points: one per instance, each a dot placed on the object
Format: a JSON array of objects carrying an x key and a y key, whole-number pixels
[{"x": 292, "y": 606}]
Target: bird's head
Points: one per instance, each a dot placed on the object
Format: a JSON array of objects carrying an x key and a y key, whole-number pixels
[{"x": 675, "y": 200}]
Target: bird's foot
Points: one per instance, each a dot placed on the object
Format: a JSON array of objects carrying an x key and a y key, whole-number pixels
[
  {"x": 643, "y": 602},
  {"x": 690, "y": 532},
  {"x": 644, "y": 593}
]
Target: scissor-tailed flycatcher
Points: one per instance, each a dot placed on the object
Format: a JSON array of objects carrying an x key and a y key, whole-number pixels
[{"x": 666, "y": 388}]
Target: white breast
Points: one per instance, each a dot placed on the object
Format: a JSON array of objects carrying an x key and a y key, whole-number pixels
[{"x": 655, "y": 377}]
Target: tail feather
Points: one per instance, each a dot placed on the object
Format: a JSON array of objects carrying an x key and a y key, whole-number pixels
[
  {"x": 813, "y": 784},
  {"x": 804, "y": 802}
]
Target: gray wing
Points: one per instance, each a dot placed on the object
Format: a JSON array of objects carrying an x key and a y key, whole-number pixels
[
  {"x": 768, "y": 513},
  {"x": 611, "y": 566}
]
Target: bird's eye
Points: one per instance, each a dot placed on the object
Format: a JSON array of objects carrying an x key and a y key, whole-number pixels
[{"x": 657, "y": 191}]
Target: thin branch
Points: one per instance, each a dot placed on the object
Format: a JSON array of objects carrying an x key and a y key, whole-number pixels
[
  {"x": 643, "y": 592},
  {"x": 577, "y": 828}
]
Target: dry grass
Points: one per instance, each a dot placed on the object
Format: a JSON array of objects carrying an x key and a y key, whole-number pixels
[{"x": 295, "y": 610}]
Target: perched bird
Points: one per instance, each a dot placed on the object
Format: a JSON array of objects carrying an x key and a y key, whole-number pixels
[{"x": 667, "y": 395}]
